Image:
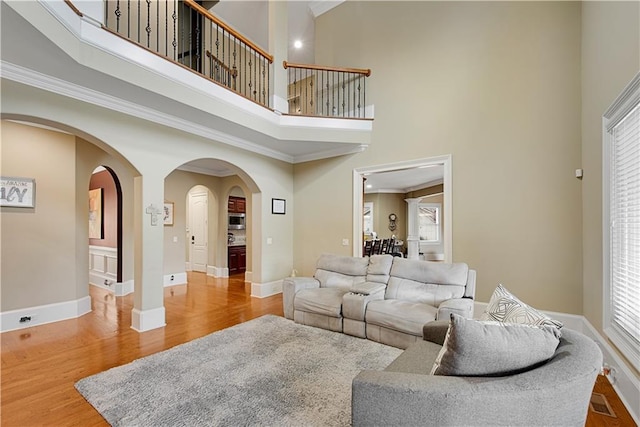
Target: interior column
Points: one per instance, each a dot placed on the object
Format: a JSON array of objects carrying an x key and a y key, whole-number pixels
[
  {"x": 413, "y": 228},
  {"x": 148, "y": 300}
]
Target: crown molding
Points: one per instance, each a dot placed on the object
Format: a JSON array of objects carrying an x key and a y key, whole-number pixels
[{"x": 48, "y": 83}]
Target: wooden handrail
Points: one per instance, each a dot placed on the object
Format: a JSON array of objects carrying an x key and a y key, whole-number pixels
[
  {"x": 365, "y": 72},
  {"x": 206, "y": 13},
  {"x": 74, "y": 8}
]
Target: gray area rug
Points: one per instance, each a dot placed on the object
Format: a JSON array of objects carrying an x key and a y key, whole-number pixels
[{"x": 269, "y": 371}]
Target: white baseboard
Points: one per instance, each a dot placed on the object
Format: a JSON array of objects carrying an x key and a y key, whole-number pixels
[
  {"x": 174, "y": 279},
  {"x": 214, "y": 271},
  {"x": 119, "y": 289},
  {"x": 624, "y": 382},
  {"x": 187, "y": 266},
  {"x": 263, "y": 290},
  {"x": 40, "y": 315},
  {"x": 248, "y": 276},
  {"x": 146, "y": 320}
]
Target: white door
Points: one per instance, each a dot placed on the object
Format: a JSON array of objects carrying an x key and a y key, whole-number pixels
[{"x": 198, "y": 231}]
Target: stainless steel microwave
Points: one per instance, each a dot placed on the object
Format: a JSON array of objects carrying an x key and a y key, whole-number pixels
[{"x": 236, "y": 221}]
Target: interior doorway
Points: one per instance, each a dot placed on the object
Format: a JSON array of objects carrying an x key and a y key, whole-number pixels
[
  {"x": 198, "y": 229},
  {"x": 418, "y": 172},
  {"x": 105, "y": 230}
]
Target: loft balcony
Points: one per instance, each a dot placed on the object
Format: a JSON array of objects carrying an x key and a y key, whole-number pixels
[{"x": 175, "y": 63}]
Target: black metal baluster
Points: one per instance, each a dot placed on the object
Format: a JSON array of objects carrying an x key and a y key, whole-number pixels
[
  {"x": 148, "y": 27},
  {"x": 364, "y": 98},
  {"x": 235, "y": 72},
  {"x": 343, "y": 95},
  {"x": 117, "y": 13},
  {"x": 138, "y": 22},
  {"x": 311, "y": 103},
  {"x": 328, "y": 109},
  {"x": 166, "y": 29},
  {"x": 175, "y": 19},
  {"x": 158, "y": 27},
  {"x": 359, "y": 93},
  {"x": 198, "y": 53}
]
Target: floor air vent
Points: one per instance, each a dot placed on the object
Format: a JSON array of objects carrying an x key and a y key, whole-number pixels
[{"x": 600, "y": 405}]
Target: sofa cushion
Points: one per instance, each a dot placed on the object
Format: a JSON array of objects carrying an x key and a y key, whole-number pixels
[
  {"x": 379, "y": 268},
  {"x": 480, "y": 348},
  {"x": 335, "y": 271},
  {"x": 426, "y": 282},
  {"x": 402, "y": 316},
  {"x": 506, "y": 307},
  {"x": 326, "y": 301}
]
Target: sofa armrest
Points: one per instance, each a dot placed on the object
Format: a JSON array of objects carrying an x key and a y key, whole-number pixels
[
  {"x": 405, "y": 399},
  {"x": 291, "y": 286},
  {"x": 461, "y": 306},
  {"x": 354, "y": 304},
  {"x": 367, "y": 288},
  {"x": 435, "y": 331}
]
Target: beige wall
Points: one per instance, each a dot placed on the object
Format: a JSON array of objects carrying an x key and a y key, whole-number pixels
[
  {"x": 383, "y": 205},
  {"x": 499, "y": 90},
  {"x": 39, "y": 245},
  {"x": 610, "y": 59}
]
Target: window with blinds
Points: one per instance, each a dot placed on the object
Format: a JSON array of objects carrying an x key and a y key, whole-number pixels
[{"x": 622, "y": 222}]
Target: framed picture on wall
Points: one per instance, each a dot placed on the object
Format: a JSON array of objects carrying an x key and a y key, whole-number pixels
[
  {"x": 17, "y": 192},
  {"x": 278, "y": 206},
  {"x": 96, "y": 229},
  {"x": 168, "y": 213}
]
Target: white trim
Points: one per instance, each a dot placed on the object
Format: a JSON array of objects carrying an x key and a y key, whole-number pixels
[
  {"x": 187, "y": 266},
  {"x": 624, "y": 382},
  {"x": 146, "y": 320},
  {"x": 214, "y": 271},
  {"x": 263, "y": 290},
  {"x": 248, "y": 276},
  {"x": 447, "y": 233},
  {"x": 178, "y": 279},
  {"x": 621, "y": 106},
  {"x": 40, "y": 315},
  {"x": 124, "y": 288}
]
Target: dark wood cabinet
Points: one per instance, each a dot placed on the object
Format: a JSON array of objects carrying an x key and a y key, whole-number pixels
[
  {"x": 237, "y": 205},
  {"x": 237, "y": 259}
]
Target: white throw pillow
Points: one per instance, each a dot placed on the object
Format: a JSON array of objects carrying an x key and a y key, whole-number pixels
[{"x": 506, "y": 307}]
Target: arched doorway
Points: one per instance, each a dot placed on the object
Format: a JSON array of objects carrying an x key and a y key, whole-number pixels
[{"x": 105, "y": 231}]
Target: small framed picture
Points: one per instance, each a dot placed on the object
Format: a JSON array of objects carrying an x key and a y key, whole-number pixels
[
  {"x": 168, "y": 213},
  {"x": 17, "y": 192},
  {"x": 278, "y": 206}
]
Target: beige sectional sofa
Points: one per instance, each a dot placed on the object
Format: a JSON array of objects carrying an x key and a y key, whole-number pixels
[{"x": 382, "y": 298}]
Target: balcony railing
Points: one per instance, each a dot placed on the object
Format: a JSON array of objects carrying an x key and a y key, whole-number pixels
[
  {"x": 186, "y": 33},
  {"x": 315, "y": 90}
]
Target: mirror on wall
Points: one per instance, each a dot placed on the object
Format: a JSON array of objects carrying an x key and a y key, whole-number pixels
[{"x": 384, "y": 190}]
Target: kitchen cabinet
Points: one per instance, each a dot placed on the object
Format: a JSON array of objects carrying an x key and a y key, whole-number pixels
[
  {"x": 237, "y": 259},
  {"x": 237, "y": 204}
]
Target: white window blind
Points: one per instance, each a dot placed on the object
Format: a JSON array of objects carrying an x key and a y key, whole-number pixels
[{"x": 622, "y": 323}]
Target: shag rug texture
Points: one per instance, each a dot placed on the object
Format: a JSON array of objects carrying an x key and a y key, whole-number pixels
[{"x": 269, "y": 371}]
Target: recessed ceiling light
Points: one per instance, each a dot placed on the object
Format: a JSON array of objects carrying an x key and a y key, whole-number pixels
[
  {"x": 297, "y": 44},
  {"x": 369, "y": 186}
]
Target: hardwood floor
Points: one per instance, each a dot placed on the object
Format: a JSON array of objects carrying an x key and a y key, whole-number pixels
[{"x": 40, "y": 365}]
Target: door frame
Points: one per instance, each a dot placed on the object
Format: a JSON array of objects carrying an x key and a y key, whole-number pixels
[
  {"x": 190, "y": 194},
  {"x": 358, "y": 198}
]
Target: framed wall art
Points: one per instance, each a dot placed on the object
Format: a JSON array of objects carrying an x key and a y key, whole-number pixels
[
  {"x": 168, "y": 213},
  {"x": 278, "y": 206},
  {"x": 96, "y": 229},
  {"x": 17, "y": 192}
]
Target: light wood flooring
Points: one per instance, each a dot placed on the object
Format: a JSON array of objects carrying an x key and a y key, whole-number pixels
[{"x": 40, "y": 365}]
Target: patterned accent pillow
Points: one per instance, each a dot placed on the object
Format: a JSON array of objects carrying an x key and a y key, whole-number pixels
[
  {"x": 477, "y": 348},
  {"x": 506, "y": 307}
]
